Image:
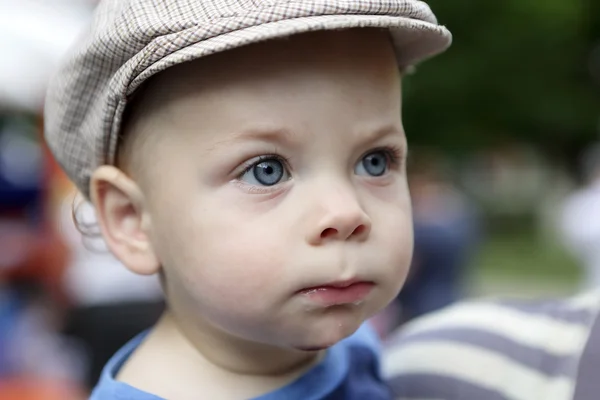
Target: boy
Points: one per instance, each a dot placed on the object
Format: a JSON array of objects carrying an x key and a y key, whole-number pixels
[{"x": 252, "y": 154}]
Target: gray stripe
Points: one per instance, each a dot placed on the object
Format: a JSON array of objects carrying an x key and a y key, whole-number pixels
[
  {"x": 557, "y": 310},
  {"x": 413, "y": 386},
  {"x": 587, "y": 386},
  {"x": 534, "y": 358}
]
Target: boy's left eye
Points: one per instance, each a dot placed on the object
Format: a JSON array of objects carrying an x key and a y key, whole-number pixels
[{"x": 375, "y": 163}]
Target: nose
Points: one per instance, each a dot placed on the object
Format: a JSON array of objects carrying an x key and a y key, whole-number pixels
[{"x": 341, "y": 218}]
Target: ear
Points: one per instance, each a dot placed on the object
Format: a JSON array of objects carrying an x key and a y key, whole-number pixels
[{"x": 124, "y": 222}]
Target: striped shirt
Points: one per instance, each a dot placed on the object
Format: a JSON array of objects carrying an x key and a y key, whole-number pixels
[{"x": 499, "y": 350}]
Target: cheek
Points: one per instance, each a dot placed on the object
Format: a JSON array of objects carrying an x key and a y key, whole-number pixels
[
  {"x": 400, "y": 254},
  {"x": 394, "y": 235},
  {"x": 225, "y": 259}
]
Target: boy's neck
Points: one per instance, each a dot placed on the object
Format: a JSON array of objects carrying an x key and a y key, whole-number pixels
[
  {"x": 210, "y": 361},
  {"x": 236, "y": 355}
]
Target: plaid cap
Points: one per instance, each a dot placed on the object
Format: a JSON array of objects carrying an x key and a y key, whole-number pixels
[{"x": 131, "y": 40}]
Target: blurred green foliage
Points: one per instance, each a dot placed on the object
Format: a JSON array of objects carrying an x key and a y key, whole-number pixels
[
  {"x": 527, "y": 255},
  {"x": 517, "y": 69}
]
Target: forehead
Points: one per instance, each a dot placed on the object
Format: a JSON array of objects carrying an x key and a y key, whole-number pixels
[
  {"x": 276, "y": 83},
  {"x": 323, "y": 55}
]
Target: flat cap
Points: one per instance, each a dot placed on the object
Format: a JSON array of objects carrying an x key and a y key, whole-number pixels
[{"x": 131, "y": 40}]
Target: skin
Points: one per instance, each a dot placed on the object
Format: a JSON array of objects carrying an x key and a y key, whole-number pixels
[{"x": 235, "y": 253}]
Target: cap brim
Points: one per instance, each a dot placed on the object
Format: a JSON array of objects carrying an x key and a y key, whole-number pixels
[{"x": 414, "y": 40}]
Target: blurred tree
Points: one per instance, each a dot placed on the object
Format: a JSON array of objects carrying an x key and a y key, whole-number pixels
[{"x": 517, "y": 69}]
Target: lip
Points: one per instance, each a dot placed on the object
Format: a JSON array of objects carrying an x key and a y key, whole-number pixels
[{"x": 338, "y": 293}]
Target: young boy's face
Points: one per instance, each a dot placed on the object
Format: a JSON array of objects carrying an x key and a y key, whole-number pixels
[{"x": 271, "y": 173}]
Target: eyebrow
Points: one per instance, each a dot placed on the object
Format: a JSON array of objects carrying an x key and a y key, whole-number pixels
[
  {"x": 287, "y": 138},
  {"x": 278, "y": 136},
  {"x": 373, "y": 135}
]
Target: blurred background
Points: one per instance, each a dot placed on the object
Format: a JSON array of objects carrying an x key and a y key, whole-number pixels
[{"x": 504, "y": 170}]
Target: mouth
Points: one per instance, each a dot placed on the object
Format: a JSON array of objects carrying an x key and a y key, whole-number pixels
[{"x": 338, "y": 293}]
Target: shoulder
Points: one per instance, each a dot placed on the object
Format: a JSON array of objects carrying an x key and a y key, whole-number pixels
[
  {"x": 108, "y": 388},
  {"x": 492, "y": 349}
]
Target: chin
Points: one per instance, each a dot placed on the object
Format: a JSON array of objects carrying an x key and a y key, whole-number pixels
[{"x": 325, "y": 335}]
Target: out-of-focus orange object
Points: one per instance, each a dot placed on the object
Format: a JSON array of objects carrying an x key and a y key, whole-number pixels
[
  {"x": 38, "y": 252},
  {"x": 36, "y": 389}
]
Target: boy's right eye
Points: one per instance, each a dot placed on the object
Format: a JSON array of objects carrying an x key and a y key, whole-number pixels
[{"x": 267, "y": 171}]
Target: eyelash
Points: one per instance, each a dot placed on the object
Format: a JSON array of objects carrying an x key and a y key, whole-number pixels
[
  {"x": 394, "y": 154},
  {"x": 265, "y": 157}
]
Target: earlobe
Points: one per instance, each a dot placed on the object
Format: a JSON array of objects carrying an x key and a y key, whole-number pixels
[{"x": 123, "y": 219}]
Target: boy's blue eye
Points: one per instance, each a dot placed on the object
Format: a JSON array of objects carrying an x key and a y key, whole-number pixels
[
  {"x": 266, "y": 172},
  {"x": 373, "y": 164}
]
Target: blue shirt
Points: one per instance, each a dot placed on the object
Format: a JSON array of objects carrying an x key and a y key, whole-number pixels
[{"x": 349, "y": 371}]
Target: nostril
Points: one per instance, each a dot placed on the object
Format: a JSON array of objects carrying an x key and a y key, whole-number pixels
[
  {"x": 328, "y": 232},
  {"x": 359, "y": 230}
]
